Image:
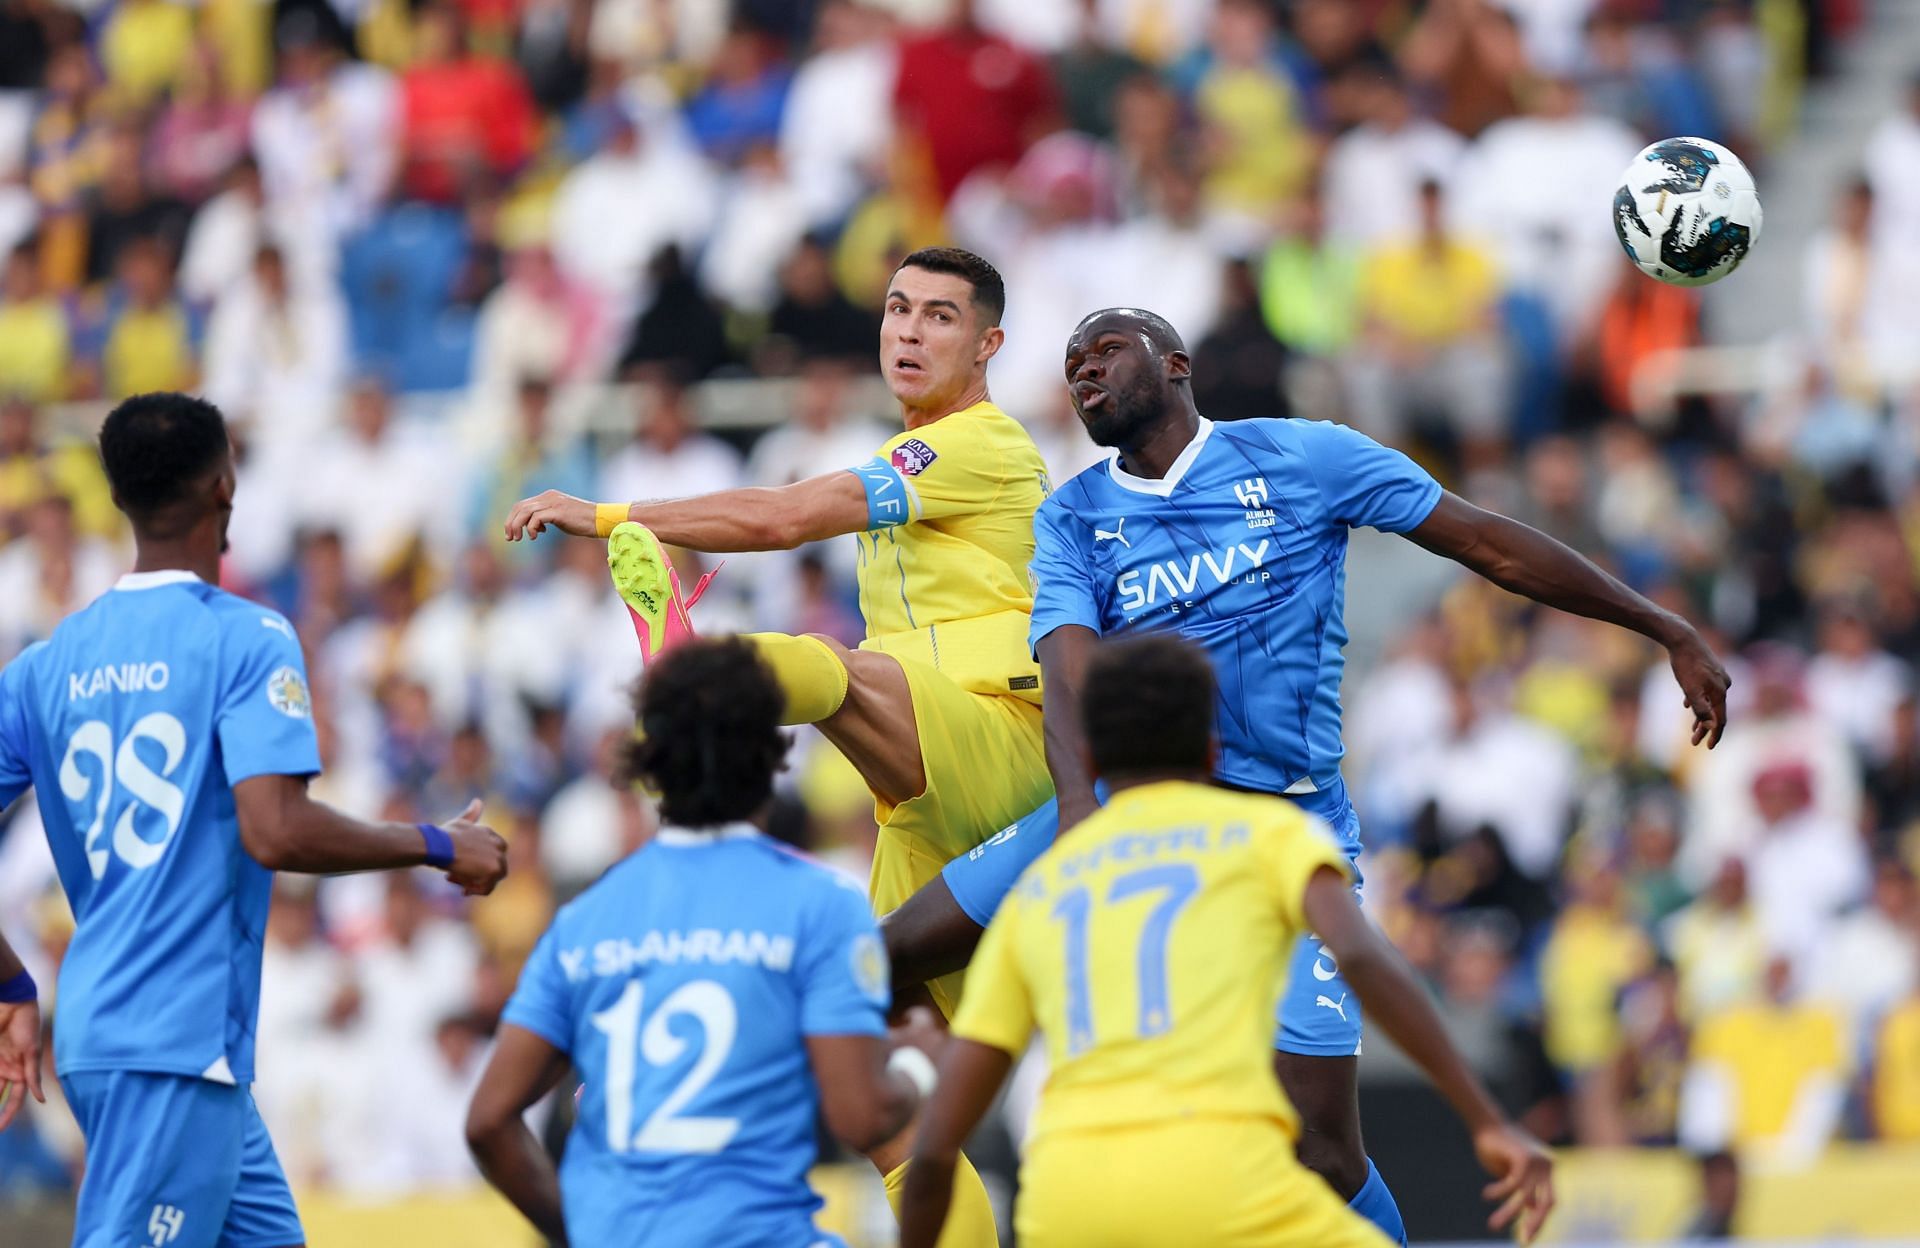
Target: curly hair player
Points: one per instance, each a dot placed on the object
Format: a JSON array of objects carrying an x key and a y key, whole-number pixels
[
  {"x": 1149, "y": 948},
  {"x": 167, "y": 733},
  {"x": 714, "y": 990}
]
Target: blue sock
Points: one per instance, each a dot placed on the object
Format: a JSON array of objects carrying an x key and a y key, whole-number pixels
[{"x": 1375, "y": 1203}]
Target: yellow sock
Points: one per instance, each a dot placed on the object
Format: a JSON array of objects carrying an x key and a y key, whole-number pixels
[
  {"x": 811, "y": 674},
  {"x": 969, "y": 1217}
]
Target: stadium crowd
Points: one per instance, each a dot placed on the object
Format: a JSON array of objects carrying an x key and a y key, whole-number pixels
[{"x": 398, "y": 241}]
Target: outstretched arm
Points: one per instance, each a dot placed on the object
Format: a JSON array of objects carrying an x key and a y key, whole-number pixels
[
  {"x": 757, "y": 518},
  {"x": 1395, "y": 1000},
  {"x": 1063, "y": 663},
  {"x": 19, "y": 1036},
  {"x": 285, "y": 829},
  {"x": 1526, "y": 561}
]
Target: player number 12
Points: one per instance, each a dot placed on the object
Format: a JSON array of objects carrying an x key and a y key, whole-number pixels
[{"x": 1176, "y": 883}]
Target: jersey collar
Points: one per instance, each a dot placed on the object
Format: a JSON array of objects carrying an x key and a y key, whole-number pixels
[
  {"x": 1163, "y": 487},
  {"x": 154, "y": 580},
  {"x": 685, "y": 838}
]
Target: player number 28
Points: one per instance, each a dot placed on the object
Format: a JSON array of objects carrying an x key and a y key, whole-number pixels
[
  {"x": 1176, "y": 883},
  {"x": 664, "y": 1130},
  {"x": 94, "y": 740}
]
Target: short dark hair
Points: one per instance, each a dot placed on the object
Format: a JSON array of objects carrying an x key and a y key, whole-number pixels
[
  {"x": 709, "y": 742},
  {"x": 156, "y": 447},
  {"x": 989, "y": 290},
  {"x": 1148, "y": 706}
]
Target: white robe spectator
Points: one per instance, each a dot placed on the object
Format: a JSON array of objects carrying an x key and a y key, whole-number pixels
[
  {"x": 332, "y": 143},
  {"x": 1371, "y": 189},
  {"x": 276, "y": 353},
  {"x": 839, "y": 114}
]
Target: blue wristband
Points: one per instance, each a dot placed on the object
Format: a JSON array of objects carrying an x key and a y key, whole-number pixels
[
  {"x": 439, "y": 845},
  {"x": 18, "y": 989}
]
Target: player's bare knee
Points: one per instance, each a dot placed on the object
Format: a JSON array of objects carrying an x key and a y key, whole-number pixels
[{"x": 1336, "y": 1157}]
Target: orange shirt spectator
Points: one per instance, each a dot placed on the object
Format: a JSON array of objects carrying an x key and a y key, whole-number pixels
[
  {"x": 461, "y": 114},
  {"x": 971, "y": 98}
]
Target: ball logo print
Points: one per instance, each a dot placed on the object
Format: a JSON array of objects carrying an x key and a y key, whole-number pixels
[{"x": 1686, "y": 212}]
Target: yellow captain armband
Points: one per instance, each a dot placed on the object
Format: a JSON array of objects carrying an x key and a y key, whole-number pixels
[{"x": 607, "y": 516}]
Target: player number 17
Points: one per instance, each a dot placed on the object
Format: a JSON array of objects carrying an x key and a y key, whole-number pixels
[{"x": 1175, "y": 883}]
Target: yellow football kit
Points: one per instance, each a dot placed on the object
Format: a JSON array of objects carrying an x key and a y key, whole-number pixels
[
  {"x": 944, "y": 590},
  {"x": 1150, "y": 948}
]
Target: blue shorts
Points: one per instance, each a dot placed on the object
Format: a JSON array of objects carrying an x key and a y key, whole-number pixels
[
  {"x": 176, "y": 1162},
  {"x": 1319, "y": 1015}
]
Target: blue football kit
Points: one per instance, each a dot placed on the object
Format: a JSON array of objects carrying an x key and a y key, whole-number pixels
[
  {"x": 133, "y": 722},
  {"x": 1241, "y": 548},
  {"x": 683, "y": 986}
]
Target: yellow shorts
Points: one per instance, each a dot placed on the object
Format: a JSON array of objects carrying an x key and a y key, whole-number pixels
[
  {"x": 1222, "y": 1182},
  {"x": 986, "y": 766}
]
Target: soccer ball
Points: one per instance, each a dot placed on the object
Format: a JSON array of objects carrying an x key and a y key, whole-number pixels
[{"x": 1686, "y": 211}]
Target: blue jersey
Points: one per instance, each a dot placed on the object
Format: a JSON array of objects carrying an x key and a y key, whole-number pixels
[
  {"x": 1241, "y": 548},
  {"x": 683, "y": 986},
  {"x": 133, "y": 722}
]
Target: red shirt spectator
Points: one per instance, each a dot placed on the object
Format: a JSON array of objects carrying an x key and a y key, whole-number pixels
[
  {"x": 461, "y": 114},
  {"x": 971, "y": 98}
]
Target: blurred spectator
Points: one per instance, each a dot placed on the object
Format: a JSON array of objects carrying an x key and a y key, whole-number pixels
[
  {"x": 50, "y": 573},
  {"x": 202, "y": 133},
  {"x": 1166, "y": 257},
  {"x": 1593, "y": 952},
  {"x": 124, "y": 208},
  {"x": 1375, "y": 173},
  {"x": 615, "y": 211},
  {"x": 534, "y": 458},
  {"x": 1892, "y": 162},
  {"x": 1637, "y": 73},
  {"x": 591, "y": 823},
  {"x": 31, "y": 470},
  {"x": 1310, "y": 286},
  {"x": 35, "y": 343},
  {"x": 327, "y": 135},
  {"x": 1252, "y": 130},
  {"x": 1804, "y": 867},
  {"x": 1552, "y": 244},
  {"x": 1766, "y": 1078},
  {"x": 538, "y": 323},
  {"x": 276, "y": 352},
  {"x": 1718, "y": 944},
  {"x": 1854, "y": 684},
  {"x": 1428, "y": 304},
  {"x": 463, "y": 116},
  {"x": 681, "y": 330},
  {"x": 738, "y": 107},
  {"x": 1896, "y": 1073},
  {"x": 1870, "y": 962},
  {"x": 307, "y": 993},
  {"x": 1778, "y": 730},
  {"x": 1238, "y": 365},
  {"x": 1090, "y": 71},
  {"x": 1467, "y": 775},
  {"x": 144, "y": 48},
  {"x": 837, "y": 124},
  {"x": 149, "y": 343},
  {"x": 365, "y": 479},
  {"x": 1468, "y": 52},
  {"x": 824, "y": 434},
  {"x": 418, "y": 971},
  {"x": 965, "y": 99},
  {"x": 1647, "y": 1074},
  {"x": 669, "y": 456},
  {"x": 762, "y": 220},
  {"x": 812, "y": 319},
  {"x": 1639, "y": 322}
]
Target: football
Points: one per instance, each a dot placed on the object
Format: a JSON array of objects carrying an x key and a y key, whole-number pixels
[{"x": 1686, "y": 211}]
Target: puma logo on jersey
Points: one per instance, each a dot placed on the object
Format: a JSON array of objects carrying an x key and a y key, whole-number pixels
[
  {"x": 1103, "y": 535},
  {"x": 1338, "y": 1007}
]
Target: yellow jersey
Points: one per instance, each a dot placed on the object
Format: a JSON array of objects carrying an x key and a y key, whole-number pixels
[
  {"x": 1150, "y": 947},
  {"x": 943, "y": 563},
  {"x": 1770, "y": 1052}
]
